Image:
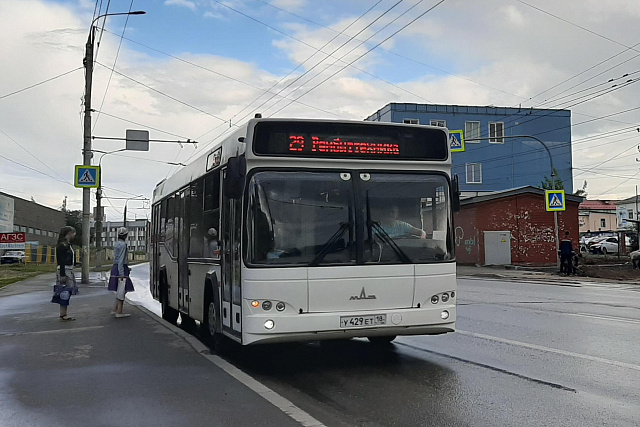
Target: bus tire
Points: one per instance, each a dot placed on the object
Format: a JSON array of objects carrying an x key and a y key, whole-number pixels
[
  {"x": 210, "y": 319},
  {"x": 382, "y": 341},
  {"x": 169, "y": 314}
]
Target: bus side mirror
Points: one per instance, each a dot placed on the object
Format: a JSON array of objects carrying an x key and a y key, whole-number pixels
[
  {"x": 455, "y": 202},
  {"x": 234, "y": 178}
]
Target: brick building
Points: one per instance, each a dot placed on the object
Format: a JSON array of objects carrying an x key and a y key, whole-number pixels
[{"x": 512, "y": 227}]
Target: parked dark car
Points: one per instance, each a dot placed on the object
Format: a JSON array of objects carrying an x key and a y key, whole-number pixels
[{"x": 13, "y": 257}]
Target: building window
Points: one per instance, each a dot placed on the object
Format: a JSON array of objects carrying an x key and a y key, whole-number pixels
[
  {"x": 30, "y": 230},
  {"x": 441, "y": 123},
  {"x": 411, "y": 121},
  {"x": 474, "y": 173},
  {"x": 16, "y": 227},
  {"x": 496, "y": 132},
  {"x": 23, "y": 229},
  {"x": 472, "y": 130},
  {"x": 603, "y": 223},
  {"x": 630, "y": 214}
]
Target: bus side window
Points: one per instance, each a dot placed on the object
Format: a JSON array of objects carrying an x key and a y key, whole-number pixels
[
  {"x": 210, "y": 227},
  {"x": 196, "y": 234},
  {"x": 169, "y": 225},
  {"x": 161, "y": 221}
]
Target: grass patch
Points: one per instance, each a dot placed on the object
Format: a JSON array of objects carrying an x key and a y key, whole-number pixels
[{"x": 11, "y": 273}]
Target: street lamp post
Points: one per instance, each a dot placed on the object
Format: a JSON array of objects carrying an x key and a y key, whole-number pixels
[
  {"x": 86, "y": 151},
  {"x": 99, "y": 209},
  {"x": 553, "y": 182}
]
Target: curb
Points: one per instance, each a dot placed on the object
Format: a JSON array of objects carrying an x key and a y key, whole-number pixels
[{"x": 265, "y": 392}]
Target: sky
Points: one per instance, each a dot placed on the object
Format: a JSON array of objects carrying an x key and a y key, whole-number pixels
[{"x": 194, "y": 69}]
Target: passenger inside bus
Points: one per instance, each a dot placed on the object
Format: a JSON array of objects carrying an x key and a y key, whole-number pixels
[{"x": 211, "y": 244}]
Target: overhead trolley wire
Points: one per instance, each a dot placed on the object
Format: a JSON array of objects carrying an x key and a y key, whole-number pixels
[
  {"x": 312, "y": 55},
  {"x": 394, "y": 53},
  {"x": 330, "y": 55},
  {"x": 368, "y": 51},
  {"x": 95, "y": 123}
]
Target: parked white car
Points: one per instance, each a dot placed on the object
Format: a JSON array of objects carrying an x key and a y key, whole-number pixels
[
  {"x": 608, "y": 245},
  {"x": 13, "y": 257}
]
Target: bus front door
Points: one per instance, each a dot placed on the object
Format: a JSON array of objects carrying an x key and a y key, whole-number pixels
[
  {"x": 183, "y": 252},
  {"x": 231, "y": 265}
]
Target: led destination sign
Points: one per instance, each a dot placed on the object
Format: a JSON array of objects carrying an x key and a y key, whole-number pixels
[{"x": 349, "y": 140}]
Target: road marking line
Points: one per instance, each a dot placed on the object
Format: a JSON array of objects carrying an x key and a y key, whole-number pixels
[
  {"x": 601, "y": 317},
  {"x": 52, "y": 331},
  {"x": 280, "y": 402},
  {"x": 551, "y": 350}
]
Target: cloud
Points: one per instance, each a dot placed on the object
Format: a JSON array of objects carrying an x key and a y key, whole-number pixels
[
  {"x": 461, "y": 53},
  {"x": 183, "y": 3},
  {"x": 289, "y": 5}
]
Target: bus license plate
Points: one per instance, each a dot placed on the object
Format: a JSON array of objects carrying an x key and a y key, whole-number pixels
[{"x": 355, "y": 321}]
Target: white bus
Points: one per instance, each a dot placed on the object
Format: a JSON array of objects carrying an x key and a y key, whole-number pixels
[{"x": 296, "y": 230}]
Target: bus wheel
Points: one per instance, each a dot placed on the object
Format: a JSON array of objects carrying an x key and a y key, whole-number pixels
[
  {"x": 382, "y": 340},
  {"x": 210, "y": 323}
]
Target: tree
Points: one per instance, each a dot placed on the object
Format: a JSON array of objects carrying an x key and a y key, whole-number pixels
[
  {"x": 547, "y": 184},
  {"x": 74, "y": 219}
]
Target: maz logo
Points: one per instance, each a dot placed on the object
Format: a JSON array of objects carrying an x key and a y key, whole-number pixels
[{"x": 363, "y": 295}]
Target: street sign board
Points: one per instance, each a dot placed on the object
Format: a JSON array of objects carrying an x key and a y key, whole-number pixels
[
  {"x": 456, "y": 140},
  {"x": 554, "y": 200},
  {"x": 87, "y": 176},
  {"x": 137, "y": 140},
  {"x": 15, "y": 240}
]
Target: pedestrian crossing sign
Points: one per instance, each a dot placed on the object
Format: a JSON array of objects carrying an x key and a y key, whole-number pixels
[
  {"x": 554, "y": 200},
  {"x": 87, "y": 176},
  {"x": 456, "y": 140}
]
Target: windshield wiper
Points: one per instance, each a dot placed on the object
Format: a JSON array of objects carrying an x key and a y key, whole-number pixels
[
  {"x": 384, "y": 236},
  {"x": 344, "y": 226}
]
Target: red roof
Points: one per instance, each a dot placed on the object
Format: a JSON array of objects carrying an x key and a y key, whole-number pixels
[{"x": 597, "y": 205}]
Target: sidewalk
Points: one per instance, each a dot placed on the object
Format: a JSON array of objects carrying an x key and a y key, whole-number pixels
[
  {"x": 511, "y": 272},
  {"x": 103, "y": 371}
]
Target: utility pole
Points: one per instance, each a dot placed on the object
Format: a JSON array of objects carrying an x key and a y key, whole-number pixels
[
  {"x": 87, "y": 153},
  {"x": 99, "y": 224}
]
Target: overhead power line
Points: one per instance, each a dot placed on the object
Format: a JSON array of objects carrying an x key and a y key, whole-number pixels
[
  {"x": 95, "y": 123},
  {"x": 40, "y": 83}
]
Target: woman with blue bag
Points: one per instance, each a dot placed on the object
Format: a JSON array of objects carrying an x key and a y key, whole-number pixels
[
  {"x": 65, "y": 280},
  {"x": 119, "y": 281}
]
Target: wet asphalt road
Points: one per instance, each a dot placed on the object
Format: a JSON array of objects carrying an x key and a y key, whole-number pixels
[{"x": 525, "y": 354}]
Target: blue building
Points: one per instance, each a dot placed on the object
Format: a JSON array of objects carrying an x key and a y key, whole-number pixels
[{"x": 497, "y": 162}]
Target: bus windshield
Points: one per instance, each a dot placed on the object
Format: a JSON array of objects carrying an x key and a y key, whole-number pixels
[{"x": 347, "y": 218}]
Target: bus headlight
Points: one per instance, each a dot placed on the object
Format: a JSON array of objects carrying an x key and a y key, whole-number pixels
[
  {"x": 280, "y": 306},
  {"x": 445, "y": 297},
  {"x": 266, "y": 305},
  {"x": 269, "y": 324},
  {"x": 434, "y": 299},
  {"x": 255, "y": 304},
  {"x": 444, "y": 315}
]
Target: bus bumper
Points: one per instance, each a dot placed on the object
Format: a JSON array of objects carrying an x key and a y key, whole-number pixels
[{"x": 324, "y": 326}]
